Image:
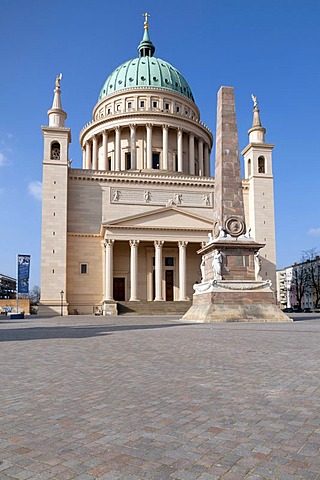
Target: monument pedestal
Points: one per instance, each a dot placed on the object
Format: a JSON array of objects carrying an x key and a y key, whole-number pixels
[
  {"x": 232, "y": 289},
  {"x": 234, "y": 301}
]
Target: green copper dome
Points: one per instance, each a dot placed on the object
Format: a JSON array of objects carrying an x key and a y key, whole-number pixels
[{"x": 146, "y": 71}]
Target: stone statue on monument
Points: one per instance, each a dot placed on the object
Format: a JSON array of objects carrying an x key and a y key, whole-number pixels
[
  {"x": 202, "y": 268},
  {"x": 217, "y": 264},
  {"x": 257, "y": 265}
]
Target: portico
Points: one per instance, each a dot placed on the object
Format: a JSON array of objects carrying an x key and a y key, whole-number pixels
[{"x": 152, "y": 271}]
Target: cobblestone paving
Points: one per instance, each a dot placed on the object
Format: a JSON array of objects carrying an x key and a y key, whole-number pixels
[{"x": 154, "y": 398}]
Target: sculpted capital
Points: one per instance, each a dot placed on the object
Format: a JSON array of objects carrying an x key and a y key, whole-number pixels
[
  {"x": 109, "y": 242},
  {"x": 182, "y": 244},
  {"x": 158, "y": 243},
  {"x": 134, "y": 243}
]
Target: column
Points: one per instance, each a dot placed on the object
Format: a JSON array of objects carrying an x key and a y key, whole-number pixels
[
  {"x": 117, "y": 148},
  {"x": 182, "y": 270},
  {"x": 200, "y": 156},
  {"x": 84, "y": 161},
  {"x": 104, "y": 150},
  {"x": 134, "y": 270},
  {"x": 165, "y": 146},
  {"x": 95, "y": 153},
  {"x": 206, "y": 160},
  {"x": 191, "y": 154},
  {"x": 149, "y": 146},
  {"x": 88, "y": 155},
  {"x": 158, "y": 270},
  {"x": 109, "y": 269},
  {"x": 133, "y": 148},
  {"x": 180, "y": 149}
]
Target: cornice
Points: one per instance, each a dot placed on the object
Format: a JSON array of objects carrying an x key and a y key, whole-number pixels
[
  {"x": 258, "y": 146},
  {"x": 141, "y": 177},
  {"x": 47, "y": 127},
  {"x": 144, "y": 90},
  {"x": 153, "y": 228},
  {"x": 95, "y": 235}
]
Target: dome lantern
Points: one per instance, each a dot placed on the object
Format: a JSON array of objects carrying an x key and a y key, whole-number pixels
[{"x": 146, "y": 47}]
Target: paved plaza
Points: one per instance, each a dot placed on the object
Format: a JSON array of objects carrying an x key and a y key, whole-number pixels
[{"x": 133, "y": 398}]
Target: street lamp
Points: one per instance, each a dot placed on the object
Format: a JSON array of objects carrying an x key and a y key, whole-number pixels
[{"x": 61, "y": 302}]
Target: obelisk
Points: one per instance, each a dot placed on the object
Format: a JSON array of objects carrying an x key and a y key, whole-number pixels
[
  {"x": 231, "y": 289},
  {"x": 228, "y": 198}
]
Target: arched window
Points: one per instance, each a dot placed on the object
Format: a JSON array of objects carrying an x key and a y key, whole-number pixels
[
  {"x": 55, "y": 151},
  {"x": 261, "y": 165},
  {"x": 249, "y": 167}
]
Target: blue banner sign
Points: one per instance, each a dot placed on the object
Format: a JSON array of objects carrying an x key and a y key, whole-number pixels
[{"x": 23, "y": 273}]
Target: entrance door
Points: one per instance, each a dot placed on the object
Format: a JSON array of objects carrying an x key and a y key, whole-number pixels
[
  {"x": 169, "y": 285},
  {"x": 119, "y": 289}
]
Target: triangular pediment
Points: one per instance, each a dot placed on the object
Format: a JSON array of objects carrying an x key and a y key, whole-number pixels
[{"x": 164, "y": 218}]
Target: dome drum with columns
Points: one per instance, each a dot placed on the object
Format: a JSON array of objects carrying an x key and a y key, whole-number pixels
[
  {"x": 126, "y": 227},
  {"x": 146, "y": 130}
]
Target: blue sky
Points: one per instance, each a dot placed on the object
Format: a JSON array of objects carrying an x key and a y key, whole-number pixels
[{"x": 269, "y": 48}]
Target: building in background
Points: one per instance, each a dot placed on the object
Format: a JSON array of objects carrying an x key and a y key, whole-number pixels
[
  {"x": 284, "y": 280},
  {"x": 8, "y": 286},
  {"x": 298, "y": 286},
  {"x": 128, "y": 225}
]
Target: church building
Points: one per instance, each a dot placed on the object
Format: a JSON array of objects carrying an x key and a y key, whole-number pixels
[{"x": 124, "y": 230}]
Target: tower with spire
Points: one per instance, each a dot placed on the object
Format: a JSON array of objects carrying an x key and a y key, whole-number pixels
[
  {"x": 54, "y": 207},
  {"x": 259, "y": 189}
]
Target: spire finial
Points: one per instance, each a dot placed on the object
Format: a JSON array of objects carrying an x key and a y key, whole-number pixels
[
  {"x": 146, "y": 23},
  {"x": 255, "y": 101},
  {"x": 56, "y": 115},
  {"x": 58, "y": 80},
  {"x": 256, "y": 116},
  {"x": 256, "y": 132}
]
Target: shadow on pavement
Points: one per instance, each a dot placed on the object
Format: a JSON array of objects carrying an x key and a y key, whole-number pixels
[{"x": 45, "y": 333}]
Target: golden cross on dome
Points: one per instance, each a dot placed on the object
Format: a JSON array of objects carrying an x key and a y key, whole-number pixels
[{"x": 146, "y": 15}]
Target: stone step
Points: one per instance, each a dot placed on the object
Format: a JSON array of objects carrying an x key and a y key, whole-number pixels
[{"x": 153, "y": 308}]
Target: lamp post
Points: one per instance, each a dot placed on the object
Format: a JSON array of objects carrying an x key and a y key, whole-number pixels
[{"x": 61, "y": 302}]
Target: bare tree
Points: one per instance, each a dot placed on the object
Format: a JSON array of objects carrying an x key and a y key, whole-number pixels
[
  {"x": 300, "y": 282},
  {"x": 34, "y": 295},
  {"x": 311, "y": 257}
]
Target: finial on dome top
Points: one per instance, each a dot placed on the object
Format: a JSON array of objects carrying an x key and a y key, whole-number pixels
[
  {"x": 146, "y": 23},
  {"x": 146, "y": 47}
]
